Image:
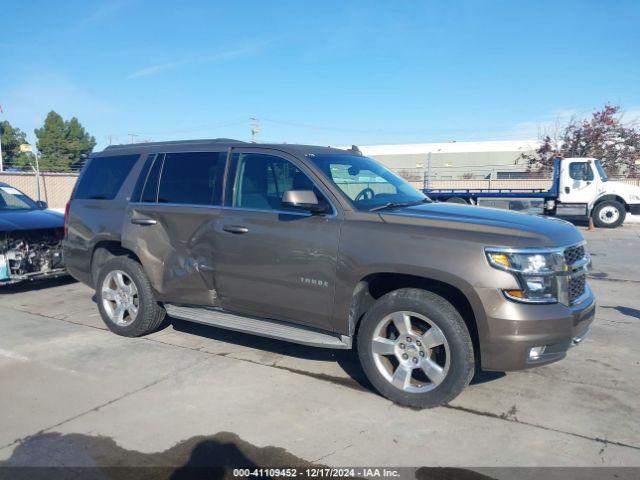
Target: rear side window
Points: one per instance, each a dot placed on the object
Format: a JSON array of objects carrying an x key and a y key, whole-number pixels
[
  {"x": 104, "y": 176},
  {"x": 193, "y": 178}
]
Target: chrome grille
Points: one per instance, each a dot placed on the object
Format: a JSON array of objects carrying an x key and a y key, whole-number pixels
[
  {"x": 578, "y": 282},
  {"x": 577, "y": 287},
  {"x": 573, "y": 254}
]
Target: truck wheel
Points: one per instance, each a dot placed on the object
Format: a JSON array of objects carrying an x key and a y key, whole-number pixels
[
  {"x": 415, "y": 348},
  {"x": 126, "y": 300},
  {"x": 609, "y": 214},
  {"x": 457, "y": 200}
]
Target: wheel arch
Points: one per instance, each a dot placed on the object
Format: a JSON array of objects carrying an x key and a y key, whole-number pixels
[
  {"x": 610, "y": 196},
  {"x": 375, "y": 285},
  {"x": 106, "y": 250}
]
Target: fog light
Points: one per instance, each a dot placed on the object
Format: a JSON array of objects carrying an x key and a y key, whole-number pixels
[{"x": 536, "y": 352}]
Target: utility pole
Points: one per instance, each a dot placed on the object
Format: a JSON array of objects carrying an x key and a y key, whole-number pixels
[
  {"x": 132, "y": 135},
  {"x": 255, "y": 128},
  {"x": 1, "y": 166},
  {"x": 428, "y": 182}
]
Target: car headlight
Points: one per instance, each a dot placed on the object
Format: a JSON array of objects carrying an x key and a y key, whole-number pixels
[{"x": 536, "y": 272}]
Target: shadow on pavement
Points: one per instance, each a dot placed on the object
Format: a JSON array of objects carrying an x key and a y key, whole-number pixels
[
  {"x": 347, "y": 359},
  {"x": 628, "y": 311},
  {"x": 55, "y": 456},
  {"x": 30, "y": 286}
]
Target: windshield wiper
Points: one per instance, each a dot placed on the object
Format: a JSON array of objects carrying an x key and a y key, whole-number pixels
[{"x": 398, "y": 204}]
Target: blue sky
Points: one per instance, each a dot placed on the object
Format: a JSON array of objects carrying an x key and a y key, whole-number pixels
[{"x": 325, "y": 72}]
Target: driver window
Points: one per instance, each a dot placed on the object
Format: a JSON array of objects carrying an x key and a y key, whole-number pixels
[
  {"x": 581, "y": 171},
  {"x": 262, "y": 180},
  {"x": 360, "y": 184}
]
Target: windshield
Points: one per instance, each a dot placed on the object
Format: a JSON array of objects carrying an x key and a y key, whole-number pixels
[
  {"x": 603, "y": 174},
  {"x": 13, "y": 199},
  {"x": 367, "y": 183}
]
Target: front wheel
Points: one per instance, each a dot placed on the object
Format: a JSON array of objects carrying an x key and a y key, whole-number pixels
[
  {"x": 415, "y": 348},
  {"x": 609, "y": 214}
]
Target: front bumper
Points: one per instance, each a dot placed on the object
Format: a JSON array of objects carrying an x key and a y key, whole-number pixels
[
  {"x": 514, "y": 328},
  {"x": 54, "y": 273}
]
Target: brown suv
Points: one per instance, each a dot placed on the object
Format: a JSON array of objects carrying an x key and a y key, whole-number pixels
[{"x": 325, "y": 247}]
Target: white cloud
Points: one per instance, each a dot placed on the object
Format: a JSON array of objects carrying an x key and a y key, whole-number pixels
[{"x": 203, "y": 59}]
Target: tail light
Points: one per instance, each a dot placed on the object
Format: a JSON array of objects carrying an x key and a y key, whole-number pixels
[{"x": 66, "y": 218}]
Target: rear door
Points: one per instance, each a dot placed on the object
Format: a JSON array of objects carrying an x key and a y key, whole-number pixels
[
  {"x": 274, "y": 261},
  {"x": 170, "y": 224}
]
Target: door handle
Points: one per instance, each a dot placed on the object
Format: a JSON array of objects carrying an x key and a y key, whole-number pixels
[
  {"x": 143, "y": 221},
  {"x": 235, "y": 229}
]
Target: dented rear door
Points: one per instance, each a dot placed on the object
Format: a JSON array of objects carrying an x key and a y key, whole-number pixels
[{"x": 171, "y": 226}]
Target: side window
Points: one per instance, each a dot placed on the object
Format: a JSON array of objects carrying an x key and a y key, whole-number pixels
[
  {"x": 192, "y": 178},
  {"x": 142, "y": 178},
  {"x": 150, "y": 189},
  {"x": 262, "y": 179},
  {"x": 103, "y": 177},
  {"x": 581, "y": 171}
]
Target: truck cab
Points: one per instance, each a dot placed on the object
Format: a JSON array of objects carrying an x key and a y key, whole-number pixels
[{"x": 584, "y": 188}]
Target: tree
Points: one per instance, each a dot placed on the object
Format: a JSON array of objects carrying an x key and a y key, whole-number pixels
[
  {"x": 11, "y": 139},
  {"x": 79, "y": 143},
  {"x": 603, "y": 136},
  {"x": 63, "y": 146}
]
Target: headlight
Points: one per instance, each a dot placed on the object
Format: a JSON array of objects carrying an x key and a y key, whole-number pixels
[{"x": 536, "y": 272}]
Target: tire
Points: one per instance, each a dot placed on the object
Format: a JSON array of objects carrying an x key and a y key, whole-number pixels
[
  {"x": 608, "y": 214},
  {"x": 149, "y": 315},
  {"x": 459, "y": 200},
  {"x": 426, "y": 310}
]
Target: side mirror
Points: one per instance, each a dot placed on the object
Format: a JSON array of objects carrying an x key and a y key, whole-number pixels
[
  {"x": 42, "y": 205},
  {"x": 302, "y": 200}
]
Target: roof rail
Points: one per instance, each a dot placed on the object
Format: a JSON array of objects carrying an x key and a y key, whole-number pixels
[{"x": 174, "y": 142}]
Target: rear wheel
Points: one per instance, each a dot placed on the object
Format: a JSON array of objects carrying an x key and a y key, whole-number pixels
[
  {"x": 415, "y": 348},
  {"x": 457, "y": 200},
  {"x": 609, "y": 214},
  {"x": 126, "y": 300}
]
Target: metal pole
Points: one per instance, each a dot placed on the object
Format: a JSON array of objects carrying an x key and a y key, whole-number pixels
[
  {"x": 428, "y": 186},
  {"x": 1, "y": 167},
  {"x": 37, "y": 175}
]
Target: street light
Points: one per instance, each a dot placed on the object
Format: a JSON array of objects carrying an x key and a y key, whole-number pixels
[{"x": 27, "y": 148}]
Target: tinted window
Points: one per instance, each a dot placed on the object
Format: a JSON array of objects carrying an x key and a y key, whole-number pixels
[
  {"x": 192, "y": 178},
  {"x": 150, "y": 191},
  {"x": 581, "y": 171},
  {"x": 104, "y": 176},
  {"x": 142, "y": 178},
  {"x": 262, "y": 179}
]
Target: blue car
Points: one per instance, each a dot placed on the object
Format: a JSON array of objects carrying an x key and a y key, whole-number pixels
[{"x": 30, "y": 238}]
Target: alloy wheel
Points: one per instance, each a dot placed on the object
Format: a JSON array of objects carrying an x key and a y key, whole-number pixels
[
  {"x": 120, "y": 298},
  {"x": 411, "y": 352}
]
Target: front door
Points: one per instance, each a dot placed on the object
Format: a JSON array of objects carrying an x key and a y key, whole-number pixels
[
  {"x": 579, "y": 184},
  {"x": 274, "y": 261}
]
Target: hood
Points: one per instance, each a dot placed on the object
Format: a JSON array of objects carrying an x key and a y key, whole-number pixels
[
  {"x": 499, "y": 227},
  {"x": 625, "y": 190},
  {"x": 11, "y": 220}
]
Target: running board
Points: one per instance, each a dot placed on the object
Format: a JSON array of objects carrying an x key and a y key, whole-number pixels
[{"x": 259, "y": 326}]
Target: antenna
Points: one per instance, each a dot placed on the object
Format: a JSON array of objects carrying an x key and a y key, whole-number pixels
[{"x": 255, "y": 128}]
